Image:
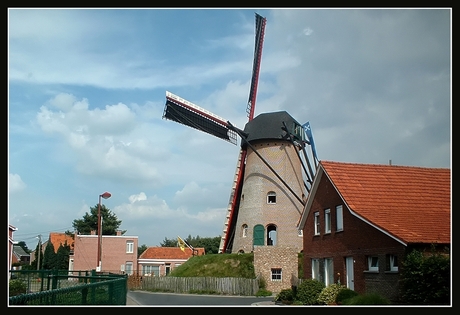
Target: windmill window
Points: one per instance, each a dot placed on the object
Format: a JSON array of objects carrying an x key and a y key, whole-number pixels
[
  {"x": 276, "y": 274},
  {"x": 271, "y": 197},
  {"x": 245, "y": 230},
  {"x": 271, "y": 235}
]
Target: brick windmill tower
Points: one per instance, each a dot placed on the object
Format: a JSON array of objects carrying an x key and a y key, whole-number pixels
[{"x": 275, "y": 168}]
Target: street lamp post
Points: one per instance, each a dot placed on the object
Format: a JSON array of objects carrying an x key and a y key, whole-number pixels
[{"x": 99, "y": 230}]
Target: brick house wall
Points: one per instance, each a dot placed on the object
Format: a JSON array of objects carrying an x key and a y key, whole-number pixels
[
  {"x": 357, "y": 239},
  {"x": 113, "y": 254},
  {"x": 268, "y": 257}
]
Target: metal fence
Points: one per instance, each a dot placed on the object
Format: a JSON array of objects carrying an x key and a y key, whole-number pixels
[
  {"x": 230, "y": 286},
  {"x": 60, "y": 287}
]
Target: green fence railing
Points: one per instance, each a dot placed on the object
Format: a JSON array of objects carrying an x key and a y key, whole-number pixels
[{"x": 54, "y": 287}]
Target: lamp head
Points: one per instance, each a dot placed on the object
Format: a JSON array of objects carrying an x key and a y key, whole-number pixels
[{"x": 106, "y": 195}]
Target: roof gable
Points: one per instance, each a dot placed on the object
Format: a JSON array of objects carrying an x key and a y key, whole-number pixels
[
  {"x": 169, "y": 253},
  {"x": 60, "y": 238},
  {"x": 410, "y": 203}
]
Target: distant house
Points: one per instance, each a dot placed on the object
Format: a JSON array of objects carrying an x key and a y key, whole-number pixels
[
  {"x": 118, "y": 253},
  {"x": 361, "y": 219},
  {"x": 11, "y": 242},
  {"x": 20, "y": 255},
  {"x": 58, "y": 239},
  {"x": 160, "y": 261}
]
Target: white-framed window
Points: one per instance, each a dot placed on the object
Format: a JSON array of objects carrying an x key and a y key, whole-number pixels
[
  {"x": 316, "y": 223},
  {"x": 392, "y": 263},
  {"x": 373, "y": 263},
  {"x": 327, "y": 221},
  {"x": 271, "y": 197},
  {"x": 245, "y": 230},
  {"x": 129, "y": 267},
  {"x": 276, "y": 274},
  {"x": 315, "y": 269},
  {"x": 300, "y": 232},
  {"x": 339, "y": 217},
  {"x": 328, "y": 271},
  {"x": 130, "y": 247}
]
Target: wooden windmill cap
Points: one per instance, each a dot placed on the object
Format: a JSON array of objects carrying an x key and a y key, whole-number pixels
[{"x": 268, "y": 126}]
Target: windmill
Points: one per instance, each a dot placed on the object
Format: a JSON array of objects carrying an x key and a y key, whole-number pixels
[{"x": 275, "y": 168}]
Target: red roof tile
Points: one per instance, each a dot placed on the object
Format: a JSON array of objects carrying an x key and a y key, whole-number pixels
[
  {"x": 169, "y": 253},
  {"x": 59, "y": 238},
  {"x": 411, "y": 203}
]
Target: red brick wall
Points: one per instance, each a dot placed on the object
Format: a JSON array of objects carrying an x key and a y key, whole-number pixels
[
  {"x": 358, "y": 240},
  {"x": 113, "y": 253}
]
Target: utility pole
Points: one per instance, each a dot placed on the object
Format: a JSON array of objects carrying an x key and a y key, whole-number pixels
[{"x": 39, "y": 250}]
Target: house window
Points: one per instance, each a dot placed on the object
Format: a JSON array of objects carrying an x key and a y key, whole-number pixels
[
  {"x": 130, "y": 247},
  {"x": 167, "y": 269},
  {"x": 339, "y": 217},
  {"x": 245, "y": 230},
  {"x": 315, "y": 269},
  {"x": 276, "y": 274},
  {"x": 327, "y": 221},
  {"x": 373, "y": 263},
  {"x": 271, "y": 197},
  {"x": 392, "y": 263},
  {"x": 328, "y": 271},
  {"x": 316, "y": 223},
  {"x": 129, "y": 267},
  {"x": 300, "y": 232}
]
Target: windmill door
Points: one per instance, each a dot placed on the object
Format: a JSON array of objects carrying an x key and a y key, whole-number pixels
[{"x": 259, "y": 235}]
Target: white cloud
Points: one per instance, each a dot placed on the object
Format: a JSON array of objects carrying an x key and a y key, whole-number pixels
[{"x": 15, "y": 183}]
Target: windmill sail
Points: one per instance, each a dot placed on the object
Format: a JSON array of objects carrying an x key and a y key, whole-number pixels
[
  {"x": 182, "y": 111},
  {"x": 232, "y": 210}
]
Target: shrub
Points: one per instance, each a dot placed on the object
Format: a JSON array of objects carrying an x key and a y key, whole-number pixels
[
  {"x": 308, "y": 291},
  {"x": 425, "y": 278},
  {"x": 367, "y": 299},
  {"x": 285, "y": 296},
  {"x": 345, "y": 294},
  {"x": 17, "y": 287},
  {"x": 329, "y": 294},
  {"x": 263, "y": 292}
]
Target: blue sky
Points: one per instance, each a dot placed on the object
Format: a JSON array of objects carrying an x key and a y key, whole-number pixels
[{"x": 86, "y": 93}]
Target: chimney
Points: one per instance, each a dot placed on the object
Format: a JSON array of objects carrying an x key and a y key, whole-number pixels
[
  {"x": 93, "y": 232},
  {"x": 118, "y": 232}
]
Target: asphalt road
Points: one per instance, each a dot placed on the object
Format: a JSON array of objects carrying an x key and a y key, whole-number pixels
[{"x": 173, "y": 299}]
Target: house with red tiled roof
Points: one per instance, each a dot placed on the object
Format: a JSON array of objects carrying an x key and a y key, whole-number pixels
[
  {"x": 58, "y": 239},
  {"x": 361, "y": 219},
  {"x": 160, "y": 261},
  {"x": 118, "y": 253}
]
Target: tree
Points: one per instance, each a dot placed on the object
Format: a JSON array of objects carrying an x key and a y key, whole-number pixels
[
  {"x": 141, "y": 249},
  {"x": 62, "y": 256},
  {"x": 110, "y": 222},
  {"x": 49, "y": 257},
  {"x": 23, "y": 245},
  {"x": 169, "y": 242},
  {"x": 38, "y": 258},
  {"x": 210, "y": 244}
]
